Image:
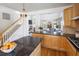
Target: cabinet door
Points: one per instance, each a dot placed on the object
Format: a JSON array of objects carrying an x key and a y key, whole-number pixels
[
  {"x": 51, "y": 41},
  {"x": 73, "y": 24},
  {"x": 66, "y": 46},
  {"x": 76, "y": 10},
  {"x": 77, "y": 53},
  {"x": 71, "y": 51},
  {"x": 67, "y": 16},
  {"x": 62, "y": 43},
  {"x": 46, "y": 42},
  {"x": 54, "y": 42},
  {"x": 53, "y": 46},
  {"x": 44, "y": 51}
]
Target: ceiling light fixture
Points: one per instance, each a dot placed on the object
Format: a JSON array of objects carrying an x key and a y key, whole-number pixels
[{"x": 23, "y": 13}]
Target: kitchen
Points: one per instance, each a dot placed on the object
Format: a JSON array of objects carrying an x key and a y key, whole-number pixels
[{"x": 49, "y": 34}]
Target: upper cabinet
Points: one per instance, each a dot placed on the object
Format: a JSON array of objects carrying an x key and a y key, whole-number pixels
[
  {"x": 75, "y": 11},
  {"x": 71, "y": 14},
  {"x": 68, "y": 14}
]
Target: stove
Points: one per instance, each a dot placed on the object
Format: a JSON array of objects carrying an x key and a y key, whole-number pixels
[{"x": 74, "y": 40}]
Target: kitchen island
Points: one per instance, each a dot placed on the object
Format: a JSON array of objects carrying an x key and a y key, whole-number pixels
[
  {"x": 25, "y": 47},
  {"x": 56, "y": 44}
]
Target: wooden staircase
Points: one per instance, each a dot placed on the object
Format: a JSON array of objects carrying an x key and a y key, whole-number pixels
[
  {"x": 6, "y": 34},
  {"x": 10, "y": 30}
]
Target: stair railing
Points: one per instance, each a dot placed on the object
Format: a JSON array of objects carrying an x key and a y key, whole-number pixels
[{"x": 11, "y": 29}]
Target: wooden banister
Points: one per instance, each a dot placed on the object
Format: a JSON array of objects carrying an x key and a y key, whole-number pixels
[
  {"x": 1, "y": 36},
  {"x": 11, "y": 25}
]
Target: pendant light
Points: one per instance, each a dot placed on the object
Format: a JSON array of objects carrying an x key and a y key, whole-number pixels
[{"x": 23, "y": 13}]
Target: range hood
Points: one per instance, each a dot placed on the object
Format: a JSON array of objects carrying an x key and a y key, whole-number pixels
[{"x": 75, "y": 18}]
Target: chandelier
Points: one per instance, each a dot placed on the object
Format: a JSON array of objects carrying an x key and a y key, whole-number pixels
[{"x": 23, "y": 13}]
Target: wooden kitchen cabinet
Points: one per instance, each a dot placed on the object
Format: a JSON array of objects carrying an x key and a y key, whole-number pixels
[
  {"x": 37, "y": 51},
  {"x": 44, "y": 51},
  {"x": 75, "y": 10},
  {"x": 37, "y": 35},
  {"x": 53, "y": 42},
  {"x": 78, "y": 53},
  {"x": 53, "y": 45},
  {"x": 73, "y": 24},
  {"x": 68, "y": 14},
  {"x": 46, "y": 41},
  {"x": 50, "y": 41},
  {"x": 70, "y": 49},
  {"x": 58, "y": 46}
]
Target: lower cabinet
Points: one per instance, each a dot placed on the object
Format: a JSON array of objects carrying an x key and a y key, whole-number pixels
[
  {"x": 54, "y": 42},
  {"x": 57, "y": 46},
  {"x": 77, "y": 53},
  {"x": 54, "y": 46},
  {"x": 37, "y": 51},
  {"x": 71, "y": 50}
]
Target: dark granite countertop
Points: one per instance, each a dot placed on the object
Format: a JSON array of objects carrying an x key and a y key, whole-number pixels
[
  {"x": 66, "y": 35},
  {"x": 25, "y": 46}
]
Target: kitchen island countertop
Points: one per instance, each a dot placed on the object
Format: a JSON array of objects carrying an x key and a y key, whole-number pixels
[{"x": 25, "y": 46}]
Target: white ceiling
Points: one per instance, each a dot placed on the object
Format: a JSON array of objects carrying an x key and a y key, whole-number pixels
[{"x": 34, "y": 6}]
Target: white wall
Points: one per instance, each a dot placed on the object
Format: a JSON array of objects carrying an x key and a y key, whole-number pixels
[
  {"x": 21, "y": 32},
  {"x": 5, "y": 23}
]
